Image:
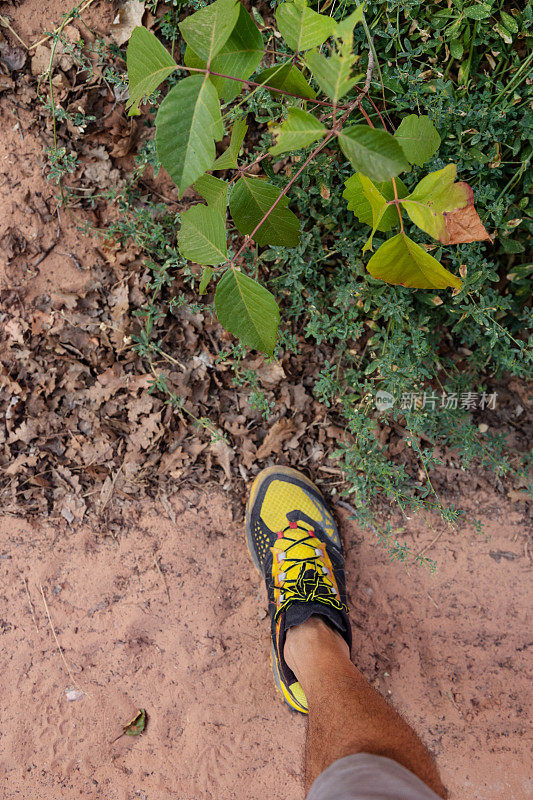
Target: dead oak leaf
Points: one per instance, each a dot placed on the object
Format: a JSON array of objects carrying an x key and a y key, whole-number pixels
[
  {"x": 223, "y": 453},
  {"x": 28, "y": 430},
  {"x": 13, "y": 57},
  {"x": 147, "y": 433},
  {"x": 271, "y": 374},
  {"x": 464, "y": 225},
  {"x": 128, "y": 18},
  {"x": 72, "y": 508},
  {"x": 280, "y": 432},
  {"x": 119, "y": 304}
]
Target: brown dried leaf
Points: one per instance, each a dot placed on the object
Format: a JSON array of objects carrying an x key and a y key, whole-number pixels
[
  {"x": 128, "y": 18},
  {"x": 271, "y": 374},
  {"x": 13, "y": 57},
  {"x": 279, "y": 433},
  {"x": 223, "y": 454},
  {"x": 464, "y": 225},
  {"x": 171, "y": 463},
  {"x": 119, "y": 302},
  {"x": 72, "y": 508},
  {"x": 6, "y": 83}
]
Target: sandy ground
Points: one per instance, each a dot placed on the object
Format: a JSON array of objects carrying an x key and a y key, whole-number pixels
[
  {"x": 30, "y": 226},
  {"x": 188, "y": 641}
]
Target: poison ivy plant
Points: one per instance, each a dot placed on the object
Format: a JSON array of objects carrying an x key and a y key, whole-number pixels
[{"x": 327, "y": 109}]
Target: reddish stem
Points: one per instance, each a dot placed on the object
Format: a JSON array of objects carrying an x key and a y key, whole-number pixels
[
  {"x": 378, "y": 112},
  {"x": 265, "y": 86},
  {"x": 284, "y": 191}
]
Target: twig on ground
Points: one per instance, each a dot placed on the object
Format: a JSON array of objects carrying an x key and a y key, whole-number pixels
[
  {"x": 4, "y": 22},
  {"x": 82, "y": 7},
  {"x": 44, "y": 255},
  {"x": 346, "y": 506},
  {"x": 30, "y": 603},
  {"x": 73, "y": 257},
  {"x": 19, "y": 125},
  {"x": 158, "y": 568},
  {"x": 69, "y": 671},
  {"x": 430, "y": 545}
]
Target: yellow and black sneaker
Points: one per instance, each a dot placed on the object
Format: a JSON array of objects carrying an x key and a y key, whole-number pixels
[{"x": 295, "y": 545}]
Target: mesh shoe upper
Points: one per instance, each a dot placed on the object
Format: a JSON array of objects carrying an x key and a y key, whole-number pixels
[{"x": 294, "y": 543}]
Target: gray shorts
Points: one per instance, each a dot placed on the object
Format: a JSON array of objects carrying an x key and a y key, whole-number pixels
[{"x": 367, "y": 777}]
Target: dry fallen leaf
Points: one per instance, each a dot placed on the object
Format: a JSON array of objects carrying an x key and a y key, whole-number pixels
[
  {"x": 6, "y": 83},
  {"x": 136, "y": 726},
  {"x": 223, "y": 454},
  {"x": 279, "y": 433},
  {"x": 128, "y": 18},
  {"x": 40, "y": 60},
  {"x": 13, "y": 57},
  {"x": 464, "y": 225},
  {"x": 119, "y": 302},
  {"x": 271, "y": 374}
]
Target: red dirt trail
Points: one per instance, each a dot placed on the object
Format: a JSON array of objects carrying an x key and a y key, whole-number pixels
[{"x": 189, "y": 642}]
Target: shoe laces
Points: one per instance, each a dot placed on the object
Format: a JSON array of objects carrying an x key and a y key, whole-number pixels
[{"x": 302, "y": 570}]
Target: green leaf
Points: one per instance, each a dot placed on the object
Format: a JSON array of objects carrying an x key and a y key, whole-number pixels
[
  {"x": 202, "y": 236},
  {"x": 358, "y": 203},
  {"x": 187, "y": 123},
  {"x": 207, "y": 30},
  {"x": 301, "y": 27},
  {"x": 506, "y": 35},
  {"x": 432, "y": 197},
  {"x": 287, "y": 77},
  {"x": 477, "y": 12},
  {"x": 207, "y": 274},
  {"x": 344, "y": 29},
  {"x": 148, "y": 65},
  {"x": 456, "y": 49},
  {"x": 300, "y": 129},
  {"x": 239, "y": 56},
  {"x": 509, "y": 22},
  {"x": 333, "y": 74},
  {"x": 402, "y": 262},
  {"x": 137, "y": 724},
  {"x": 373, "y": 152},
  {"x": 378, "y": 205},
  {"x": 419, "y": 139},
  {"x": 215, "y": 191},
  {"x": 248, "y": 310},
  {"x": 427, "y": 219},
  {"x": 249, "y": 202},
  {"x": 228, "y": 159},
  {"x": 439, "y": 190}
]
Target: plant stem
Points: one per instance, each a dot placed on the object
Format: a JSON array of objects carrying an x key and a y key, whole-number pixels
[
  {"x": 4, "y": 22},
  {"x": 397, "y": 202},
  {"x": 334, "y": 132},
  {"x": 263, "y": 85},
  {"x": 284, "y": 191}
]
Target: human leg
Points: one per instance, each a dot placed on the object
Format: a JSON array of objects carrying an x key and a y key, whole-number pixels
[
  {"x": 295, "y": 545},
  {"x": 346, "y": 714}
]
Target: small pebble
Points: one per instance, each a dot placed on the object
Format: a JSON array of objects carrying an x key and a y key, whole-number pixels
[{"x": 74, "y": 694}]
